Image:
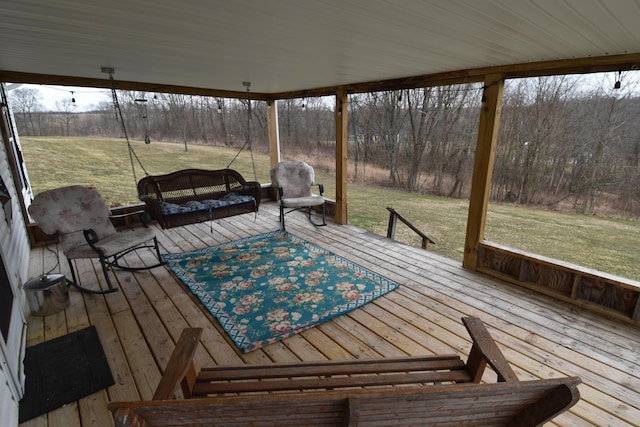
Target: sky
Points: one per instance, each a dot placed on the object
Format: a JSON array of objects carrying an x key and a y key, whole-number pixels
[{"x": 53, "y": 96}]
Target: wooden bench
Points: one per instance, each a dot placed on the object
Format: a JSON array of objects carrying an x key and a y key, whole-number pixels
[
  {"x": 197, "y": 195},
  {"x": 412, "y": 390}
]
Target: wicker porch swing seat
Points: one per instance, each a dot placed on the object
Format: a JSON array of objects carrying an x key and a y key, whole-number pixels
[{"x": 191, "y": 196}]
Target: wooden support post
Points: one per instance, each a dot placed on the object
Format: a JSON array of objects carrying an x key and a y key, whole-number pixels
[
  {"x": 273, "y": 131},
  {"x": 483, "y": 167},
  {"x": 393, "y": 224},
  {"x": 341, "y": 116}
]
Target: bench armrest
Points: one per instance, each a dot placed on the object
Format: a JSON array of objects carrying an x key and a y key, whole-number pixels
[
  {"x": 180, "y": 368},
  {"x": 485, "y": 350},
  {"x": 250, "y": 188}
]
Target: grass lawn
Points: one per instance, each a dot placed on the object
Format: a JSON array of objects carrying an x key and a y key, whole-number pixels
[{"x": 609, "y": 245}]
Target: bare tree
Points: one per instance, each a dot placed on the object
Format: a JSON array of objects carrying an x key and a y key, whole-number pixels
[
  {"x": 531, "y": 158},
  {"x": 599, "y": 156},
  {"x": 66, "y": 115},
  {"x": 389, "y": 124},
  {"x": 424, "y": 108},
  {"x": 27, "y": 102},
  {"x": 358, "y": 125}
]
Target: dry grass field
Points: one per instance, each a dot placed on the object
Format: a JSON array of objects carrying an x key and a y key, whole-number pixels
[{"x": 606, "y": 244}]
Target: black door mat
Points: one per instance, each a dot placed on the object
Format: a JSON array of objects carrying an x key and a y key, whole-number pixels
[{"x": 63, "y": 370}]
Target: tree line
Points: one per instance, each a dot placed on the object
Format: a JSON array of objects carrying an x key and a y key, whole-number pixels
[{"x": 563, "y": 143}]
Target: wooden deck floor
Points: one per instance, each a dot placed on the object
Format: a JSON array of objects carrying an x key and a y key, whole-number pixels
[{"x": 541, "y": 338}]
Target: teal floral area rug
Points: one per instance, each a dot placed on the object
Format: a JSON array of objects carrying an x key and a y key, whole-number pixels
[{"x": 267, "y": 287}]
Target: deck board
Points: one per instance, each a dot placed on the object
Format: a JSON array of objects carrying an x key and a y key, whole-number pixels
[{"x": 541, "y": 337}]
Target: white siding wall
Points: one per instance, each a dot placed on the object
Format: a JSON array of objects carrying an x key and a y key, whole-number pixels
[
  {"x": 8, "y": 403},
  {"x": 14, "y": 248}
]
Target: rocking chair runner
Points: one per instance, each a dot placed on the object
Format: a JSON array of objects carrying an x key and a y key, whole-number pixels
[
  {"x": 293, "y": 181},
  {"x": 81, "y": 220}
]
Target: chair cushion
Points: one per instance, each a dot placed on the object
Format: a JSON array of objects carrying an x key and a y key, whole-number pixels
[
  {"x": 302, "y": 202},
  {"x": 294, "y": 177},
  {"x": 113, "y": 244},
  {"x": 68, "y": 210},
  {"x": 169, "y": 209}
]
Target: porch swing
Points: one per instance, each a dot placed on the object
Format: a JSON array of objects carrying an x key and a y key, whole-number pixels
[{"x": 191, "y": 196}]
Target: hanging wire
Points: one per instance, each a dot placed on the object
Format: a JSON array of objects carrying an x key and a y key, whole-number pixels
[
  {"x": 118, "y": 110},
  {"x": 248, "y": 139},
  {"x": 145, "y": 118}
]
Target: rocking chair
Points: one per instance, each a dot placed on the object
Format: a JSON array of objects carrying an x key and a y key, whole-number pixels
[
  {"x": 293, "y": 181},
  {"x": 80, "y": 218}
]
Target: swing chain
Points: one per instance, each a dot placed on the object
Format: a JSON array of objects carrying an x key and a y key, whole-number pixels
[
  {"x": 118, "y": 110},
  {"x": 248, "y": 140}
]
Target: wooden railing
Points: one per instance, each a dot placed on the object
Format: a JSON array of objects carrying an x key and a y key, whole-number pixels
[
  {"x": 393, "y": 222},
  {"x": 611, "y": 295}
]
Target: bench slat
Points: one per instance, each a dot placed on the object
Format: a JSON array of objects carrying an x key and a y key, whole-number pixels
[
  {"x": 327, "y": 383},
  {"x": 277, "y": 370}
]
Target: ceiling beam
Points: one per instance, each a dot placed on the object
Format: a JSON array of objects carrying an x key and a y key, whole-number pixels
[
  {"x": 51, "y": 79},
  {"x": 532, "y": 69}
]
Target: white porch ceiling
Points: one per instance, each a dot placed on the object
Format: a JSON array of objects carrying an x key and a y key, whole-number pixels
[{"x": 291, "y": 45}]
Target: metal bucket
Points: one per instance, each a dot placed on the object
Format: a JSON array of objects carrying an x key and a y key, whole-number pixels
[{"x": 47, "y": 294}]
